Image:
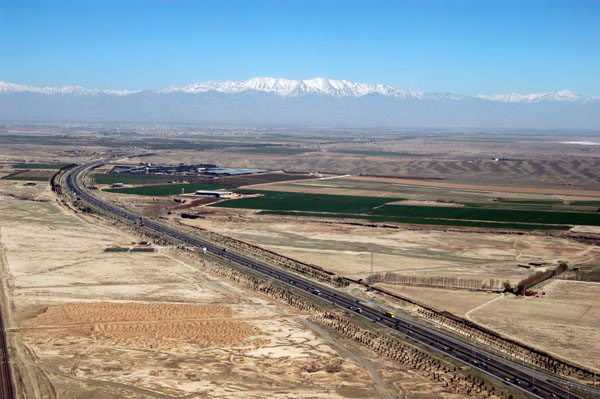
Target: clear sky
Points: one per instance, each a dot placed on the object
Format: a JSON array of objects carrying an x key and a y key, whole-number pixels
[{"x": 469, "y": 47}]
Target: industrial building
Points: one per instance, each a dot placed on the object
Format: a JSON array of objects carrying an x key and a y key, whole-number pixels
[{"x": 216, "y": 194}]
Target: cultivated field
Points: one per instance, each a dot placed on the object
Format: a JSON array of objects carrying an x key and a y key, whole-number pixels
[
  {"x": 399, "y": 202},
  {"x": 162, "y": 190}
]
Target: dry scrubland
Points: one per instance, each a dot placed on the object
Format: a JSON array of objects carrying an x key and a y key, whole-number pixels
[
  {"x": 423, "y": 191},
  {"x": 458, "y": 302},
  {"x": 90, "y": 324},
  {"x": 84, "y": 323},
  {"x": 346, "y": 249},
  {"x": 531, "y": 163},
  {"x": 565, "y": 322}
]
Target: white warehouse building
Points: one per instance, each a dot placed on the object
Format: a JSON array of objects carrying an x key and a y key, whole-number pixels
[{"x": 216, "y": 194}]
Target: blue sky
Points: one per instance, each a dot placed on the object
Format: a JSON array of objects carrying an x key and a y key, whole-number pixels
[{"x": 468, "y": 47}]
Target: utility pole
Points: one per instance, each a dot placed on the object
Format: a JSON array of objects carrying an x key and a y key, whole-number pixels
[{"x": 371, "y": 272}]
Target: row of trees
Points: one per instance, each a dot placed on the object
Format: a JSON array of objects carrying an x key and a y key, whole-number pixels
[
  {"x": 539, "y": 277},
  {"x": 437, "y": 281},
  {"x": 580, "y": 275}
]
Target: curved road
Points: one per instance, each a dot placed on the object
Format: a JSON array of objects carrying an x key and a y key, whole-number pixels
[{"x": 537, "y": 383}]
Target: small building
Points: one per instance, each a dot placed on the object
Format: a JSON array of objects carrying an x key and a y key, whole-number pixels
[{"x": 216, "y": 194}]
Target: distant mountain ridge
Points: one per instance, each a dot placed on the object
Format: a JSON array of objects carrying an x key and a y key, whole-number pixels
[
  {"x": 7, "y": 88},
  {"x": 319, "y": 101},
  {"x": 288, "y": 87}
]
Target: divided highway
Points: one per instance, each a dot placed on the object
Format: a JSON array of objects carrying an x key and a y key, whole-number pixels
[
  {"x": 7, "y": 389},
  {"x": 537, "y": 383}
]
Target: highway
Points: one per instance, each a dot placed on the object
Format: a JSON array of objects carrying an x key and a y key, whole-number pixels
[
  {"x": 536, "y": 383},
  {"x": 7, "y": 389}
]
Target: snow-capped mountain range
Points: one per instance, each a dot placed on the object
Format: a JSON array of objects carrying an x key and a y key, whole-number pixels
[
  {"x": 284, "y": 102},
  {"x": 292, "y": 88},
  {"x": 288, "y": 87}
]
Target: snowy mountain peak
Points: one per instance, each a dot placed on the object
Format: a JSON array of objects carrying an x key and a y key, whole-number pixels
[{"x": 288, "y": 87}]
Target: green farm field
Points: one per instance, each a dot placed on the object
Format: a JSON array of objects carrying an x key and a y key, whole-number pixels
[
  {"x": 379, "y": 209},
  {"x": 285, "y": 201},
  {"x": 110, "y": 178},
  {"x": 423, "y": 221},
  {"x": 162, "y": 190},
  {"x": 39, "y": 165}
]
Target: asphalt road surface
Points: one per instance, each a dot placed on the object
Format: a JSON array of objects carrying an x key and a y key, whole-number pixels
[
  {"x": 528, "y": 380},
  {"x": 7, "y": 389}
]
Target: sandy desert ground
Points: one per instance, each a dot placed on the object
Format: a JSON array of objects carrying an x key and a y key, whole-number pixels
[
  {"x": 455, "y": 301},
  {"x": 530, "y": 164},
  {"x": 86, "y": 323},
  {"x": 346, "y": 249},
  {"x": 425, "y": 190},
  {"x": 564, "y": 322}
]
